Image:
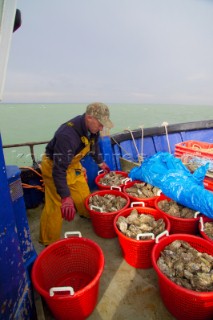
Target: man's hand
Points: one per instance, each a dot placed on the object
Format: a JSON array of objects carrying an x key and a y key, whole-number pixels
[
  {"x": 104, "y": 167},
  {"x": 67, "y": 209}
]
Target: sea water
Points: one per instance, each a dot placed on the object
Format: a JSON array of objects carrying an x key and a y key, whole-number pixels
[{"x": 22, "y": 123}]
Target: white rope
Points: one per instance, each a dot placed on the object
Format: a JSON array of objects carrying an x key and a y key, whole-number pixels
[
  {"x": 134, "y": 143},
  {"x": 142, "y": 135},
  {"x": 121, "y": 147},
  {"x": 165, "y": 124}
]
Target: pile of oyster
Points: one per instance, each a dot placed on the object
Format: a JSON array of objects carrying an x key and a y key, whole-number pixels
[
  {"x": 176, "y": 210},
  {"x": 142, "y": 190},
  {"x": 137, "y": 223},
  {"x": 112, "y": 179},
  {"x": 107, "y": 203},
  {"x": 186, "y": 266},
  {"x": 208, "y": 229}
]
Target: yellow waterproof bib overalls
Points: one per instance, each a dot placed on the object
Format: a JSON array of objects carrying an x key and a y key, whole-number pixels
[{"x": 51, "y": 219}]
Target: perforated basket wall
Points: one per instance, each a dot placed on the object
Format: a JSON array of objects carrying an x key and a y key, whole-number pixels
[
  {"x": 102, "y": 222},
  {"x": 137, "y": 253},
  {"x": 181, "y": 302},
  {"x": 179, "y": 225},
  {"x": 75, "y": 262}
]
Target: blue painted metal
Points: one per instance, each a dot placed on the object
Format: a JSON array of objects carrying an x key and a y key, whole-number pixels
[
  {"x": 128, "y": 151},
  {"x": 161, "y": 144},
  {"x": 157, "y": 143},
  {"x": 6, "y": 209},
  {"x": 90, "y": 165},
  {"x": 26, "y": 308},
  {"x": 19, "y": 209},
  {"x": 112, "y": 153},
  {"x": 199, "y": 135},
  {"x": 149, "y": 147},
  {"x": 13, "y": 276},
  {"x": 116, "y": 156},
  {"x": 92, "y": 169},
  {"x": 106, "y": 150}
]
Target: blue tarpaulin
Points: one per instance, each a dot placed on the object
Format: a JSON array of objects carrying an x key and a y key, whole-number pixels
[{"x": 169, "y": 174}]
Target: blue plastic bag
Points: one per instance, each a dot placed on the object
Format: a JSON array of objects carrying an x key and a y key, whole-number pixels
[{"x": 169, "y": 174}]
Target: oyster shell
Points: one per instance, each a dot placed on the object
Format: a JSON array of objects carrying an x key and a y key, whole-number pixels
[
  {"x": 142, "y": 190},
  {"x": 176, "y": 210},
  {"x": 112, "y": 179},
  {"x": 186, "y": 266},
  {"x": 107, "y": 203},
  {"x": 208, "y": 229},
  {"x": 138, "y": 223}
]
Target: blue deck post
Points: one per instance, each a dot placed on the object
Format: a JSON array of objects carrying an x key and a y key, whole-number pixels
[
  {"x": 106, "y": 150},
  {"x": 6, "y": 209},
  {"x": 91, "y": 166}
]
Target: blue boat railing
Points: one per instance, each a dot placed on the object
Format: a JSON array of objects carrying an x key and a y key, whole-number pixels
[
  {"x": 154, "y": 139},
  {"x": 31, "y": 146}
]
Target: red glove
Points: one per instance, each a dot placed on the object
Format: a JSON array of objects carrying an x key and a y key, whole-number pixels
[
  {"x": 67, "y": 209},
  {"x": 104, "y": 167}
]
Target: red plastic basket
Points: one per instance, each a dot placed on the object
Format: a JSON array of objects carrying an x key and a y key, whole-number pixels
[
  {"x": 202, "y": 220},
  {"x": 181, "y": 302},
  {"x": 208, "y": 183},
  {"x": 149, "y": 202},
  {"x": 104, "y": 187},
  {"x": 137, "y": 253},
  {"x": 102, "y": 222},
  {"x": 179, "y": 225},
  {"x": 71, "y": 263},
  {"x": 194, "y": 147}
]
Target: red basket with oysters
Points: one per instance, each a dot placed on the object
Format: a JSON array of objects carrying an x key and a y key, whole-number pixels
[
  {"x": 138, "y": 229},
  {"x": 206, "y": 228},
  {"x": 184, "y": 266},
  {"x": 182, "y": 219},
  {"x": 103, "y": 206},
  {"x": 141, "y": 191},
  {"x": 115, "y": 179}
]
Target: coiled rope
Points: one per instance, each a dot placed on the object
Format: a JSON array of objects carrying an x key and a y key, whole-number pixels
[{"x": 29, "y": 186}]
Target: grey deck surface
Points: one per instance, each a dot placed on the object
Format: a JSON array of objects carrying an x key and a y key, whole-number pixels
[{"x": 125, "y": 292}]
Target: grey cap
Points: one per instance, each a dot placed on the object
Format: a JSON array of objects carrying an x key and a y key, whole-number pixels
[{"x": 100, "y": 111}]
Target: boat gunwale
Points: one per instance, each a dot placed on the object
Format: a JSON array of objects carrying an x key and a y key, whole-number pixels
[
  {"x": 119, "y": 137},
  {"x": 158, "y": 131}
]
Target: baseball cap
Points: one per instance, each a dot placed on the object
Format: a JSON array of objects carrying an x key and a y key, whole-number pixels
[{"x": 100, "y": 111}]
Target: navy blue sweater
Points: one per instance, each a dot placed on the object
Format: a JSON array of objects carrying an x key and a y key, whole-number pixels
[{"x": 65, "y": 144}]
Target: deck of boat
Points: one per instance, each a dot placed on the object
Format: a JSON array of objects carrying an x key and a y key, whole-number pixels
[{"x": 125, "y": 292}]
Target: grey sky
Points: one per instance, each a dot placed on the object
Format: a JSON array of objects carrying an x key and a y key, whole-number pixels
[{"x": 134, "y": 51}]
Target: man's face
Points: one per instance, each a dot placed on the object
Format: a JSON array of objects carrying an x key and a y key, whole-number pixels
[{"x": 94, "y": 125}]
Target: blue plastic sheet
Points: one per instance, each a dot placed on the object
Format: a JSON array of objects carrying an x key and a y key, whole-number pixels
[{"x": 169, "y": 174}]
